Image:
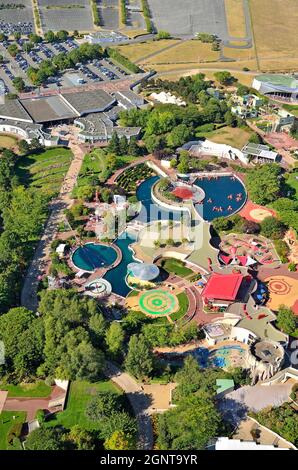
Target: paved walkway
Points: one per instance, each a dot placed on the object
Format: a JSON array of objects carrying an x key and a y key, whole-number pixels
[
  {"x": 41, "y": 256},
  {"x": 32, "y": 405},
  {"x": 139, "y": 401}
]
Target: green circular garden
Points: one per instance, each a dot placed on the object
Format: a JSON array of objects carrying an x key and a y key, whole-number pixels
[{"x": 158, "y": 302}]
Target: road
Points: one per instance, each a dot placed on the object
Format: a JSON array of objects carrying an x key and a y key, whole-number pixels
[
  {"x": 139, "y": 401},
  {"x": 41, "y": 256}
]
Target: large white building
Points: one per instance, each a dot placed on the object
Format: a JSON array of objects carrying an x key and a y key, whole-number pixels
[{"x": 277, "y": 86}]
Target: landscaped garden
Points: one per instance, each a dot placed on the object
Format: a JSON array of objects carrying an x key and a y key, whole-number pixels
[
  {"x": 45, "y": 169},
  {"x": 174, "y": 266},
  {"x": 129, "y": 179},
  {"x": 80, "y": 393},
  {"x": 10, "y": 427}
]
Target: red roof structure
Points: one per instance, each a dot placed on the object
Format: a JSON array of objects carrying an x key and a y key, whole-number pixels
[
  {"x": 222, "y": 286},
  {"x": 183, "y": 192}
]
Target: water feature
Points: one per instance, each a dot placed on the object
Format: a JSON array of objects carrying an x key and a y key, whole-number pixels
[
  {"x": 116, "y": 276},
  {"x": 225, "y": 192},
  {"x": 219, "y": 357},
  {"x": 92, "y": 256}
]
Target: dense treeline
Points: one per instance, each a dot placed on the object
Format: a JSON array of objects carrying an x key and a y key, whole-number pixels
[
  {"x": 169, "y": 125},
  {"x": 23, "y": 212}
]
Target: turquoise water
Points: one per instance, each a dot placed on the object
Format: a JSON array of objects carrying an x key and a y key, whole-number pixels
[
  {"x": 116, "y": 276},
  {"x": 217, "y": 192},
  {"x": 92, "y": 256}
]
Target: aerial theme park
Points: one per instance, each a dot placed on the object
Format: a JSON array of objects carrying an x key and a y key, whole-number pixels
[{"x": 148, "y": 228}]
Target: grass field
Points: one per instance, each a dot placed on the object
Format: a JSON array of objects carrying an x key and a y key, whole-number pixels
[
  {"x": 45, "y": 170},
  {"x": 293, "y": 182},
  {"x": 176, "y": 267},
  {"x": 6, "y": 423},
  {"x": 79, "y": 394},
  {"x": 234, "y": 136},
  {"x": 275, "y": 26},
  {"x": 135, "y": 52},
  {"x": 97, "y": 165},
  {"x": 235, "y": 18},
  {"x": 183, "y": 307},
  {"x": 38, "y": 389},
  {"x": 192, "y": 51},
  {"x": 7, "y": 141}
]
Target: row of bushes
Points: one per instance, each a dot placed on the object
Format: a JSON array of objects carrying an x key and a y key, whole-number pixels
[
  {"x": 114, "y": 54},
  {"x": 95, "y": 13},
  {"x": 147, "y": 16},
  {"x": 36, "y": 14},
  {"x": 123, "y": 12}
]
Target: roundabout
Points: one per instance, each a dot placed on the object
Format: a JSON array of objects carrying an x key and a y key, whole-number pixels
[{"x": 158, "y": 302}]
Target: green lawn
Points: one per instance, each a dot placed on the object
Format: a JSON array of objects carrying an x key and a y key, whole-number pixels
[
  {"x": 6, "y": 423},
  {"x": 44, "y": 170},
  {"x": 183, "y": 307},
  {"x": 176, "y": 267},
  {"x": 79, "y": 394},
  {"x": 293, "y": 182},
  {"x": 34, "y": 390},
  {"x": 98, "y": 164}
]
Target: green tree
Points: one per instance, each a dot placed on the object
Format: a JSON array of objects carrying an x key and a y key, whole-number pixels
[
  {"x": 118, "y": 441},
  {"x": 263, "y": 183},
  {"x": 123, "y": 145},
  {"x": 114, "y": 144},
  {"x": 23, "y": 146},
  {"x": 82, "y": 438},
  {"x": 13, "y": 49},
  {"x": 190, "y": 425},
  {"x": 224, "y": 77},
  {"x": 50, "y": 36},
  {"x": 115, "y": 338},
  {"x": 272, "y": 228},
  {"x": 286, "y": 320},
  {"x": 102, "y": 406},
  {"x": 139, "y": 359},
  {"x": 19, "y": 84},
  {"x": 45, "y": 439},
  {"x": 133, "y": 148}
]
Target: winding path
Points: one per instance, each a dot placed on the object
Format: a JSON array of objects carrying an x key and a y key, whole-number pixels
[{"x": 139, "y": 401}]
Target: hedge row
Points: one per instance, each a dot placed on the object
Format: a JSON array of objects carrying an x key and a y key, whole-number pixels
[{"x": 114, "y": 54}]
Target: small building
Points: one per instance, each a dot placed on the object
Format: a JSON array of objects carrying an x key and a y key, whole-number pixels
[
  {"x": 105, "y": 37},
  {"x": 260, "y": 153},
  {"x": 224, "y": 386},
  {"x": 222, "y": 289}
]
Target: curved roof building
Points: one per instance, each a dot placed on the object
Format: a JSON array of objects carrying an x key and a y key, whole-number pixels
[
  {"x": 143, "y": 271},
  {"x": 277, "y": 86}
]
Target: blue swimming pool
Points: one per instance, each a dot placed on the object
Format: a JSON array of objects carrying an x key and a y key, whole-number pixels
[
  {"x": 116, "y": 276},
  {"x": 92, "y": 256},
  {"x": 225, "y": 195}
]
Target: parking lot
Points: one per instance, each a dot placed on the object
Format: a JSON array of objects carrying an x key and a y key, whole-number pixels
[
  {"x": 69, "y": 15},
  {"x": 109, "y": 12},
  {"x": 93, "y": 72},
  {"x": 190, "y": 17},
  {"x": 17, "y": 19}
]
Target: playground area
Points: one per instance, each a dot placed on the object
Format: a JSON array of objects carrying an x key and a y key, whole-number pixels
[
  {"x": 255, "y": 212},
  {"x": 282, "y": 291},
  {"x": 246, "y": 250}
]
